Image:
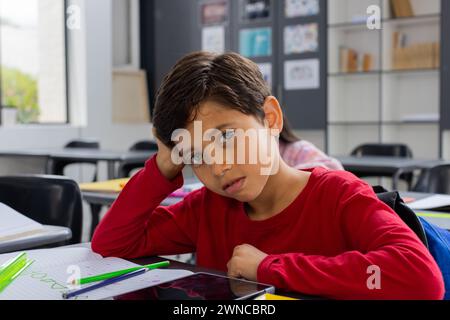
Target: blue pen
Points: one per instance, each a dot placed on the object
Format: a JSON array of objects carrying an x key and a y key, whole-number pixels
[{"x": 68, "y": 295}]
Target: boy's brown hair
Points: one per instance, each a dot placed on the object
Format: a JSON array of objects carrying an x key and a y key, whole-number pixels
[{"x": 229, "y": 79}]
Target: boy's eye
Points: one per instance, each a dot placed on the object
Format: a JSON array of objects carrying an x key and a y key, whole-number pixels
[
  {"x": 196, "y": 158},
  {"x": 226, "y": 136}
]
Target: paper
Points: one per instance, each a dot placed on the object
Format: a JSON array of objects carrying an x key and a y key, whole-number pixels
[
  {"x": 301, "y": 8},
  {"x": 255, "y": 42},
  {"x": 47, "y": 277},
  {"x": 255, "y": 9},
  {"x": 213, "y": 39},
  {"x": 14, "y": 225},
  {"x": 301, "y": 38},
  {"x": 266, "y": 70},
  {"x": 214, "y": 13},
  {"x": 432, "y": 202},
  {"x": 113, "y": 186},
  {"x": 302, "y": 74}
]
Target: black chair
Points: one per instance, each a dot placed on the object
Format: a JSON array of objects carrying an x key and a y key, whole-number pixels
[
  {"x": 384, "y": 150},
  {"x": 126, "y": 167},
  {"x": 59, "y": 165},
  {"x": 434, "y": 180},
  {"x": 49, "y": 200}
]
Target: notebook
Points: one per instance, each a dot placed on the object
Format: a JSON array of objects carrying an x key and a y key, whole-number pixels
[
  {"x": 113, "y": 186},
  {"x": 434, "y": 202},
  {"x": 15, "y": 225},
  {"x": 53, "y": 269},
  {"x": 116, "y": 186}
]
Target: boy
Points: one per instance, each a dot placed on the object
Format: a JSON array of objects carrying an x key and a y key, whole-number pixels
[{"x": 317, "y": 232}]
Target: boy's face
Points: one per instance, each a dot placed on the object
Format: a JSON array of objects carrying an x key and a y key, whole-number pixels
[{"x": 238, "y": 161}]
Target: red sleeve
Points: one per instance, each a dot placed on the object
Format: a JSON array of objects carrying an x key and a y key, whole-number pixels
[
  {"x": 379, "y": 238},
  {"x": 137, "y": 226}
]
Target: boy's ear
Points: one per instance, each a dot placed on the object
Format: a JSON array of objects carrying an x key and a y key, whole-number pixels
[{"x": 274, "y": 114}]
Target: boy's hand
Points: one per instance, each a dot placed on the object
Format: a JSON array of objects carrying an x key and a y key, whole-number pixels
[
  {"x": 245, "y": 262},
  {"x": 164, "y": 160}
]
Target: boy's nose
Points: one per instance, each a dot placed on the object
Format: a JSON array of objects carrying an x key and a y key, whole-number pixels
[{"x": 220, "y": 169}]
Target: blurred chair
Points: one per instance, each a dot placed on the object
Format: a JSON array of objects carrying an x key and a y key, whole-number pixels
[
  {"x": 49, "y": 200},
  {"x": 126, "y": 167},
  {"x": 384, "y": 150},
  {"x": 434, "y": 180},
  {"x": 58, "y": 166}
]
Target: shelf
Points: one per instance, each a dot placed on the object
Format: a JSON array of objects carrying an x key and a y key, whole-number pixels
[
  {"x": 378, "y": 72},
  {"x": 426, "y": 18},
  {"x": 381, "y": 123},
  {"x": 409, "y": 123},
  {"x": 423, "y": 19},
  {"x": 358, "y": 73},
  {"x": 419, "y": 70},
  {"x": 354, "y": 123},
  {"x": 389, "y": 99}
]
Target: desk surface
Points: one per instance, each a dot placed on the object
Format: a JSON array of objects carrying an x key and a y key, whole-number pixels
[
  {"x": 441, "y": 219},
  {"x": 79, "y": 154},
  {"x": 186, "y": 266},
  {"x": 368, "y": 163},
  {"x": 107, "y": 198},
  {"x": 50, "y": 235}
]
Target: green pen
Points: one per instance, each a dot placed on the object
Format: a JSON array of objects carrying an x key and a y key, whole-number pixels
[
  {"x": 12, "y": 269},
  {"x": 114, "y": 274}
]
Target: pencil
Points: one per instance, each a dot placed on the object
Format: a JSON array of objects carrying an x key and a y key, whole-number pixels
[
  {"x": 107, "y": 282},
  {"x": 110, "y": 275}
]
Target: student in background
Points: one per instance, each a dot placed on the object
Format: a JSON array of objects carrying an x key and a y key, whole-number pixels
[
  {"x": 316, "y": 231},
  {"x": 301, "y": 154}
]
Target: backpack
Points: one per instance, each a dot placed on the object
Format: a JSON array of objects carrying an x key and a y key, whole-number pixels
[{"x": 436, "y": 239}]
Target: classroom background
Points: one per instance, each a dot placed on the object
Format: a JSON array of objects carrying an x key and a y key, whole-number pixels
[{"x": 358, "y": 78}]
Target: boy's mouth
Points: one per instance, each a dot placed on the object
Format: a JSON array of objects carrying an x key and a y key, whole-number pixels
[{"x": 234, "y": 186}]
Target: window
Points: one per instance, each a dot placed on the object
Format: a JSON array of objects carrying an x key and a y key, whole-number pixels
[{"x": 33, "y": 84}]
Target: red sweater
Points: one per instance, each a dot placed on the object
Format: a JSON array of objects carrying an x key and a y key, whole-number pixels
[{"x": 322, "y": 244}]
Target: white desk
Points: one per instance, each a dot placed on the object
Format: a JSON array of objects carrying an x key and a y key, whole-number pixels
[{"x": 50, "y": 235}]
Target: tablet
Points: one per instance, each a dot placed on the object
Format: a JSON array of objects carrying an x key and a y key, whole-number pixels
[{"x": 201, "y": 286}]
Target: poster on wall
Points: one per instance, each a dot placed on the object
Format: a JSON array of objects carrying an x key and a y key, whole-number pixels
[
  {"x": 214, "y": 12},
  {"x": 301, "y": 38},
  {"x": 266, "y": 70},
  {"x": 301, "y": 8},
  {"x": 213, "y": 39},
  {"x": 255, "y": 42},
  {"x": 302, "y": 74},
  {"x": 255, "y": 9}
]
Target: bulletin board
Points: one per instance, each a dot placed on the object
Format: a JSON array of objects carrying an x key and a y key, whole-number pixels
[{"x": 130, "y": 97}]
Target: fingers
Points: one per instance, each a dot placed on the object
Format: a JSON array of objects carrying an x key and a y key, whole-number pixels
[
  {"x": 241, "y": 249},
  {"x": 233, "y": 270},
  {"x": 234, "y": 265}
]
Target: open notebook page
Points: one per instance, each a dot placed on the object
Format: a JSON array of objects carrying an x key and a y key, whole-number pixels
[{"x": 47, "y": 278}]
